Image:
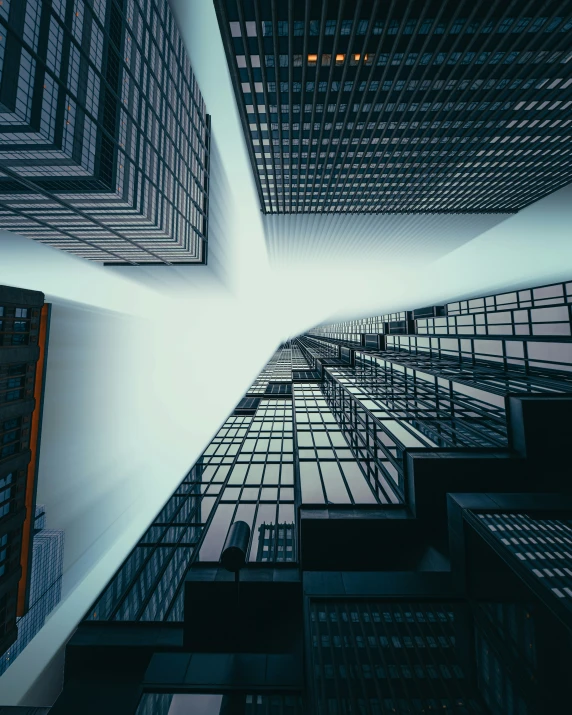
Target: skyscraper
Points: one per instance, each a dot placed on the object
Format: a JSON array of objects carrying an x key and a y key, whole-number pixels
[
  {"x": 401, "y": 107},
  {"x": 104, "y": 135},
  {"x": 388, "y": 458},
  {"x": 45, "y": 585},
  {"x": 24, "y": 330}
]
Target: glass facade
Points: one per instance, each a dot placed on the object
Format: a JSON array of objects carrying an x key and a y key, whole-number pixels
[
  {"x": 541, "y": 546},
  {"x": 406, "y": 107},
  {"x": 363, "y": 590},
  {"x": 104, "y": 135},
  {"x": 383, "y": 657},
  {"x": 315, "y": 429},
  {"x": 45, "y": 585}
]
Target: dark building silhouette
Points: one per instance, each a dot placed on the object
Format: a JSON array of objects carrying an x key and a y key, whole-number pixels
[
  {"x": 414, "y": 469},
  {"x": 24, "y": 330},
  {"x": 104, "y": 135},
  {"x": 401, "y": 107}
]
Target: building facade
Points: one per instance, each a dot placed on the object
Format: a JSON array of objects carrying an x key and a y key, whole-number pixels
[
  {"x": 403, "y": 555},
  {"x": 104, "y": 135},
  {"x": 45, "y": 585},
  {"x": 401, "y": 107},
  {"x": 24, "y": 331}
]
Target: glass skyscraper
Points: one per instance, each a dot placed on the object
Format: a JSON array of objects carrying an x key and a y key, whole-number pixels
[
  {"x": 104, "y": 135},
  {"x": 45, "y": 585},
  {"x": 407, "y": 107},
  {"x": 405, "y": 481}
]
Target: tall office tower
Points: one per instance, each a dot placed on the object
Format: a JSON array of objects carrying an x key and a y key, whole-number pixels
[
  {"x": 435, "y": 106},
  {"x": 104, "y": 135},
  {"x": 45, "y": 585},
  {"x": 365, "y": 586},
  {"x": 24, "y": 328}
]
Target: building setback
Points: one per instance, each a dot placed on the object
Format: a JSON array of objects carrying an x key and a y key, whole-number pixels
[
  {"x": 407, "y": 107},
  {"x": 406, "y": 492},
  {"x": 24, "y": 330},
  {"x": 104, "y": 135}
]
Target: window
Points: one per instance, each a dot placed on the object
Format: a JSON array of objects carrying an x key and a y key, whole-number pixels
[
  {"x": 340, "y": 59},
  {"x": 3, "y": 553},
  {"x": 8, "y": 450},
  {"x": 5, "y": 494}
]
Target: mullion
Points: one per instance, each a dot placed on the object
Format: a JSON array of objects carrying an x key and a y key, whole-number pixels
[
  {"x": 317, "y": 192},
  {"x": 337, "y": 35},
  {"x": 382, "y": 38},
  {"x": 389, "y": 155},
  {"x": 311, "y": 192},
  {"x": 305, "y": 50},
  {"x": 264, "y": 80},
  {"x": 355, "y": 445},
  {"x": 275, "y": 42},
  {"x": 291, "y": 102},
  {"x": 75, "y": 210},
  {"x": 126, "y": 68},
  {"x": 153, "y": 549},
  {"x": 359, "y": 166},
  {"x": 72, "y": 40},
  {"x": 372, "y": 162},
  {"x": 425, "y": 77},
  {"x": 465, "y": 93}
]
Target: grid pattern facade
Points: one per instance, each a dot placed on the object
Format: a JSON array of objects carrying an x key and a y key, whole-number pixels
[
  {"x": 268, "y": 458},
  {"x": 45, "y": 585},
  {"x": 437, "y": 377},
  {"x": 405, "y": 107},
  {"x": 330, "y": 471},
  {"x": 277, "y": 370},
  {"x": 378, "y": 658},
  {"x": 506, "y": 656},
  {"x": 542, "y": 546},
  {"x": 245, "y": 474},
  {"x": 104, "y": 136},
  {"x": 511, "y": 342}
]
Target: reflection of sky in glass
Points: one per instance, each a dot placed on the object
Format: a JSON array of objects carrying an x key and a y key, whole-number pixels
[{"x": 196, "y": 704}]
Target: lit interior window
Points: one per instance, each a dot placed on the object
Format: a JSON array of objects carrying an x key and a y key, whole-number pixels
[
  {"x": 312, "y": 59},
  {"x": 340, "y": 59}
]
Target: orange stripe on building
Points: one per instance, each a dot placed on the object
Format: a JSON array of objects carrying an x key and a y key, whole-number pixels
[{"x": 26, "y": 553}]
